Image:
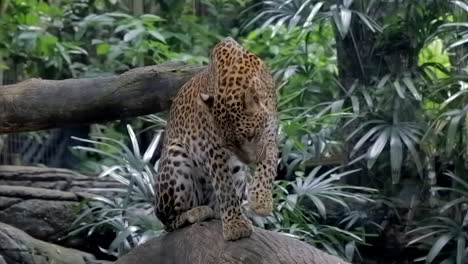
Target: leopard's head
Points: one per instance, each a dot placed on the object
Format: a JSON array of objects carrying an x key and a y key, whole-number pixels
[{"x": 239, "y": 103}]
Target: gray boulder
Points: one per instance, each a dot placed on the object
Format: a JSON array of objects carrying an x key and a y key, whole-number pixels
[
  {"x": 44, "y": 214},
  {"x": 44, "y": 202},
  {"x": 18, "y": 247}
]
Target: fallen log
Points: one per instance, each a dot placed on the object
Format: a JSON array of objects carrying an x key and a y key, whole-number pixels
[
  {"x": 54, "y": 179},
  {"x": 203, "y": 243},
  {"x": 37, "y": 104}
]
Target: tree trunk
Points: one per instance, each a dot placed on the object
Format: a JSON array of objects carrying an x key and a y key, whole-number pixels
[
  {"x": 203, "y": 243},
  {"x": 38, "y": 104}
]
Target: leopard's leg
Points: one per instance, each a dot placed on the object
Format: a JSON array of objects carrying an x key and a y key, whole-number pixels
[
  {"x": 235, "y": 224},
  {"x": 178, "y": 196},
  {"x": 239, "y": 172},
  {"x": 260, "y": 197}
]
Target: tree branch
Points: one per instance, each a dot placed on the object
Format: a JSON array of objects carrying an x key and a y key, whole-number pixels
[
  {"x": 37, "y": 104},
  {"x": 203, "y": 243}
]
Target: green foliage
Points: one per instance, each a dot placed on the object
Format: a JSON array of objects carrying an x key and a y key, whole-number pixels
[
  {"x": 393, "y": 119},
  {"x": 300, "y": 206},
  {"x": 300, "y": 209},
  {"x": 446, "y": 234},
  {"x": 76, "y": 39},
  {"x": 30, "y": 35},
  {"x": 406, "y": 107},
  {"x": 305, "y": 67},
  {"x": 129, "y": 211},
  {"x": 122, "y": 41}
]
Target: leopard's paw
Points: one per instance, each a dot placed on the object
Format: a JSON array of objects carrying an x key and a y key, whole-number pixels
[
  {"x": 237, "y": 228},
  {"x": 261, "y": 202},
  {"x": 198, "y": 214}
]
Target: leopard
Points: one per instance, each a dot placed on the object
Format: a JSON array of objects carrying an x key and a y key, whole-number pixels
[{"x": 220, "y": 147}]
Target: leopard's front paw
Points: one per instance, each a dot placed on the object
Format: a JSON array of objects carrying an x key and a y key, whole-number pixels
[
  {"x": 237, "y": 228},
  {"x": 198, "y": 214},
  {"x": 261, "y": 202}
]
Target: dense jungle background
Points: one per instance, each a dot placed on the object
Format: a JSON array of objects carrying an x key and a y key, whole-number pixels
[{"x": 373, "y": 104}]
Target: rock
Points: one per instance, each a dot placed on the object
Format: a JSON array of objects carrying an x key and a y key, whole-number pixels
[
  {"x": 44, "y": 202},
  {"x": 44, "y": 214},
  {"x": 203, "y": 243},
  {"x": 18, "y": 247}
]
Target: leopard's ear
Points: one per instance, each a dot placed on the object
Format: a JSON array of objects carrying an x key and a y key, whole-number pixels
[
  {"x": 251, "y": 100},
  {"x": 207, "y": 99}
]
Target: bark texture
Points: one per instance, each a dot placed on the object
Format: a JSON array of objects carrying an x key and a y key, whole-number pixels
[
  {"x": 38, "y": 104},
  {"x": 203, "y": 243},
  {"x": 54, "y": 179},
  {"x": 18, "y": 247},
  {"x": 44, "y": 202}
]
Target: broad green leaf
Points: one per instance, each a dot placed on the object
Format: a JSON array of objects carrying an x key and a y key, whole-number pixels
[
  {"x": 157, "y": 35},
  {"x": 458, "y": 201},
  {"x": 123, "y": 27},
  {"x": 371, "y": 24},
  {"x": 32, "y": 19},
  {"x": 121, "y": 236},
  {"x": 47, "y": 44},
  {"x": 409, "y": 83},
  {"x": 456, "y": 24},
  {"x": 357, "y": 130},
  {"x": 319, "y": 204},
  {"x": 270, "y": 20},
  {"x": 151, "y": 17},
  {"x": 383, "y": 81},
  {"x": 464, "y": 6},
  {"x": 364, "y": 138},
  {"x": 288, "y": 145},
  {"x": 410, "y": 145},
  {"x": 437, "y": 247},
  {"x": 457, "y": 179},
  {"x": 102, "y": 49},
  {"x": 278, "y": 25},
  {"x": 345, "y": 15},
  {"x": 377, "y": 147},
  {"x": 368, "y": 99},
  {"x": 119, "y": 15},
  {"x": 312, "y": 14},
  {"x": 297, "y": 16},
  {"x": 451, "y": 98},
  {"x": 396, "y": 155},
  {"x": 133, "y": 34},
  {"x": 461, "y": 251},
  {"x": 355, "y": 103},
  {"x": 134, "y": 140},
  {"x": 400, "y": 91},
  {"x": 458, "y": 43},
  {"x": 452, "y": 133},
  {"x": 256, "y": 18},
  {"x": 426, "y": 235},
  {"x": 151, "y": 148}
]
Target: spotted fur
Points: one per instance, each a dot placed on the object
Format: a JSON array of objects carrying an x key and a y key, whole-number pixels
[{"x": 222, "y": 120}]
